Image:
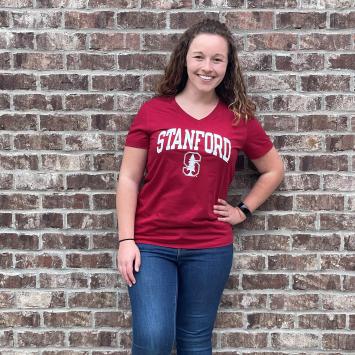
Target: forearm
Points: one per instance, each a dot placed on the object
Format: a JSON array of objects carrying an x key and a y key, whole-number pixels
[
  {"x": 126, "y": 203},
  {"x": 262, "y": 189}
]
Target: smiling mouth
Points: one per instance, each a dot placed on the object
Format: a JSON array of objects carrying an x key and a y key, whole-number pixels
[{"x": 206, "y": 77}]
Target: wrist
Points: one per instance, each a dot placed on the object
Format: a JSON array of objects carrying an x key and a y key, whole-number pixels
[{"x": 245, "y": 209}]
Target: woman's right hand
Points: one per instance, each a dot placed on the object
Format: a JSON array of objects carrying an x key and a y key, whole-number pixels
[{"x": 128, "y": 255}]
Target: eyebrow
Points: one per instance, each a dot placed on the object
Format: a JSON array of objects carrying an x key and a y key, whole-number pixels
[{"x": 199, "y": 52}]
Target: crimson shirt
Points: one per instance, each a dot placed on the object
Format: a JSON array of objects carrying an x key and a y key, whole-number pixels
[{"x": 190, "y": 164}]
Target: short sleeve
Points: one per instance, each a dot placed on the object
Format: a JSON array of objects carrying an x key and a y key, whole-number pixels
[
  {"x": 257, "y": 142},
  {"x": 138, "y": 134}
]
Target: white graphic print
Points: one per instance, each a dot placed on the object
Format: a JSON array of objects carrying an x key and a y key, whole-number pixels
[{"x": 191, "y": 164}]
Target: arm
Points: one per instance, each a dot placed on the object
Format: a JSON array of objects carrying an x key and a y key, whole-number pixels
[
  {"x": 131, "y": 173},
  {"x": 272, "y": 172}
]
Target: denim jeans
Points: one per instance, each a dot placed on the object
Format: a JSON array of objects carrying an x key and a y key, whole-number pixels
[{"x": 176, "y": 297}]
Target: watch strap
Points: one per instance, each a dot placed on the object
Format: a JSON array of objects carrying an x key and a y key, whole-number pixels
[{"x": 244, "y": 208}]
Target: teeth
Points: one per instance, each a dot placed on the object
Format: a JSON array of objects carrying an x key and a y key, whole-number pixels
[{"x": 205, "y": 77}]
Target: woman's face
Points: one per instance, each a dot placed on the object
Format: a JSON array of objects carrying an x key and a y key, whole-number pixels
[{"x": 206, "y": 62}]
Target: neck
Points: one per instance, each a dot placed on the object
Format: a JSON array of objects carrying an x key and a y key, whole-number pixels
[{"x": 193, "y": 96}]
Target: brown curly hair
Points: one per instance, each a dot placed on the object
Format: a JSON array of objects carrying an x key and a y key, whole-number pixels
[{"x": 231, "y": 90}]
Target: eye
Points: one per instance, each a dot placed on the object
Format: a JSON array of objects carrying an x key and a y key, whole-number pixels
[{"x": 198, "y": 57}]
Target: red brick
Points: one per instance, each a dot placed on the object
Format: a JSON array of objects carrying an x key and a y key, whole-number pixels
[
  {"x": 113, "y": 319},
  {"x": 339, "y": 182},
  {"x": 272, "y": 41},
  {"x": 322, "y": 321},
  {"x": 91, "y": 182},
  {"x": 38, "y": 102},
  {"x": 90, "y": 61},
  {"x": 295, "y": 340},
  {"x": 265, "y": 242},
  {"x": 182, "y": 20},
  {"x": 77, "y": 201},
  {"x": 104, "y": 201},
  {"x": 4, "y": 102},
  {"x": 90, "y": 221},
  {"x": 67, "y": 319},
  {"x": 61, "y": 3},
  {"x": 301, "y": 20},
  {"x": 115, "y": 82},
  {"x": 6, "y": 261},
  {"x": 349, "y": 242},
  {"x": 37, "y": 20},
  {"x": 251, "y": 20},
  {"x": 338, "y": 341},
  {"x": 19, "y": 319},
  {"x": 76, "y": 102},
  {"x": 80, "y": 20},
  {"x": 172, "y": 4},
  {"x": 110, "y": 122},
  {"x": 327, "y": 42},
  {"x": 316, "y": 243},
  {"x": 40, "y": 181},
  {"x": 72, "y": 280},
  {"x": 24, "y": 162},
  {"x": 102, "y": 260},
  {"x": 349, "y": 283},
  {"x": 60, "y": 41},
  {"x": 20, "y": 40},
  {"x": 291, "y": 221},
  {"x": 340, "y": 102},
  {"x": 65, "y": 162},
  {"x": 38, "y": 61},
  {"x": 245, "y": 340},
  {"x": 93, "y": 339},
  {"x": 60, "y": 122},
  {"x": 4, "y": 19},
  {"x": 18, "y": 202},
  {"x": 17, "y": 82},
  {"x": 114, "y": 41},
  {"x": 142, "y": 61},
  {"x": 273, "y": 4},
  {"x": 26, "y": 261},
  {"x": 270, "y": 320},
  {"x": 142, "y": 19},
  {"x": 316, "y": 282},
  {"x": 294, "y": 302},
  {"x": 17, "y": 281},
  {"x": 296, "y": 103},
  {"x": 5, "y": 60},
  {"x": 337, "y": 221},
  {"x": 325, "y": 83},
  {"x": 38, "y": 142},
  {"x": 159, "y": 42},
  {"x": 249, "y": 262},
  {"x": 49, "y": 338},
  {"x": 38, "y": 220},
  {"x": 243, "y": 300},
  {"x": 93, "y": 299},
  {"x": 7, "y": 338},
  {"x": 104, "y": 280},
  {"x": 292, "y": 262},
  {"x": 342, "y": 61},
  {"x": 342, "y": 20},
  {"x": 265, "y": 281},
  {"x": 338, "y": 262},
  {"x": 322, "y": 123},
  {"x": 17, "y": 122},
  {"x": 64, "y": 82},
  {"x": 299, "y": 143},
  {"x": 324, "y": 162},
  {"x": 21, "y": 241},
  {"x": 338, "y": 302},
  {"x": 299, "y": 62},
  {"x": 107, "y": 162}
]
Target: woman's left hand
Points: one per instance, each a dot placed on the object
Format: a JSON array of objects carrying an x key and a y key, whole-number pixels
[{"x": 228, "y": 213}]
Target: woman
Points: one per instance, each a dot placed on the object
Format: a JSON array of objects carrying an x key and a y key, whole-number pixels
[{"x": 175, "y": 232}]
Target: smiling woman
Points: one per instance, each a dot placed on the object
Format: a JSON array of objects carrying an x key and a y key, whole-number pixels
[{"x": 175, "y": 233}]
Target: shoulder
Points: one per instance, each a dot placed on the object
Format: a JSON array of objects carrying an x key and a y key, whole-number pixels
[{"x": 157, "y": 102}]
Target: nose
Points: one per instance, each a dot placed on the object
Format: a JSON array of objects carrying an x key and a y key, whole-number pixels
[{"x": 207, "y": 65}]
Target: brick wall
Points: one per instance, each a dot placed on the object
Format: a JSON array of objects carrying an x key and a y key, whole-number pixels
[{"x": 73, "y": 74}]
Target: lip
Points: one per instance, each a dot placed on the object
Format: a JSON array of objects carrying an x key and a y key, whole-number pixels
[{"x": 208, "y": 76}]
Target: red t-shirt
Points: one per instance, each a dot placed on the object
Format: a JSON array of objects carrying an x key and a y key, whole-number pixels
[{"x": 190, "y": 164}]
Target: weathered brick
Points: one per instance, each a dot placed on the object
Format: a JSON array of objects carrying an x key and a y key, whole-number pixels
[
  {"x": 245, "y": 340},
  {"x": 264, "y": 281},
  {"x": 28, "y": 261},
  {"x": 40, "y": 299},
  {"x": 251, "y": 20},
  {"x": 104, "y": 201},
  {"x": 65, "y": 162},
  {"x": 114, "y": 41},
  {"x": 316, "y": 282},
  {"x": 39, "y": 181},
  {"x": 38, "y": 220},
  {"x": 349, "y": 283},
  {"x": 322, "y": 123},
  {"x": 319, "y": 202},
  {"x": 6, "y": 260},
  {"x": 93, "y": 339},
  {"x": 105, "y": 241},
  {"x": 107, "y": 162},
  {"x": 265, "y": 242},
  {"x": 324, "y": 162},
  {"x": 113, "y": 319},
  {"x": 7, "y": 338},
  {"x": 141, "y": 61},
  {"x": 93, "y": 299},
  {"x": 342, "y": 20},
  {"x": 243, "y": 300},
  {"x": 5, "y": 220},
  {"x": 18, "y": 241},
  {"x": 17, "y": 122},
  {"x": 38, "y": 141},
  {"x": 77, "y": 201},
  {"x": 115, "y": 82},
  {"x": 291, "y": 221},
  {"x": 38, "y": 61},
  {"x": 327, "y": 42},
  {"x": 141, "y": 19},
  {"x": 19, "y": 319},
  {"x": 349, "y": 242},
  {"x": 18, "y": 202},
  {"x": 102, "y": 260},
  {"x": 37, "y": 20},
  {"x": 49, "y": 338},
  {"x": 263, "y": 82},
  {"x": 67, "y": 319},
  {"x": 340, "y": 102},
  {"x": 95, "y": 141},
  {"x": 325, "y": 83},
  {"x": 298, "y": 143},
  {"x": 24, "y": 161},
  {"x": 340, "y": 143},
  {"x": 314, "y": 242},
  {"x": 336, "y": 221},
  {"x": 272, "y": 4},
  {"x": 17, "y": 82},
  {"x": 104, "y": 280},
  {"x": 338, "y": 302},
  {"x": 64, "y": 82},
  {"x": 91, "y": 182},
  {"x": 4, "y": 102},
  {"x": 20, "y": 40},
  {"x": 294, "y": 302},
  {"x": 299, "y": 62},
  {"x": 90, "y": 61},
  {"x": 338, "y": 262},
  {"x": 78, "y": 102},
  {"x": 38, "y": 102},
  {"x": 110, "y": 122},
  {"x": 80, "y": 20},
  {"x": 322, "y": 321},
  {"x": 270, "y": 320},
  {"x": 50, "y": 41},
  {"x": 5, "y": 60},
  {"x": 7, "y": 299},
  {"x": 17, "y": 281},
  {"x": 249, "y": 262},
  {"x": 60, "y": 122},
  {"x": 171, "y": 4},
  {"x": 182, "y": 20},
  {"x": 229, "y": 319},
  {"x": 338, "y": 341},
  {"x": 296, "y": 103},
  {"x": 301, "y": 20},
  {"x": 342, "y": 61},
  {"x": 272, "y": 41},
  {"x": 295, "y": 340},
  {"x": 65, "y": 281},
  {"x": 292, "y": 262}
]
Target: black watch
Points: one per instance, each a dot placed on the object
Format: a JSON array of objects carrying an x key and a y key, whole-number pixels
[{"x": 244, "y": 208}]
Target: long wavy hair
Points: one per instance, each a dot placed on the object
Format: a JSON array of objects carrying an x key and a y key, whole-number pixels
[{"x": 231, "y": 90}]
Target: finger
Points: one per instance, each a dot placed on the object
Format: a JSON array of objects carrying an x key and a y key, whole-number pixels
[
  {"x": 223, "y": 202},
  {"x": 137, "y": 262},
  {"x": 130, "y": 276},
  {"x": 223, "y": 213}
]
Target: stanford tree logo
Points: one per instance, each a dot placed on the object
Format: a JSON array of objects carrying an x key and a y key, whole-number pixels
[{"x": 191, "y": 164}]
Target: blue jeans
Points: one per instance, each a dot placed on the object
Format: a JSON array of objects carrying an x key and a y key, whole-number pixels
[{"x": 176, "y": 297}]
